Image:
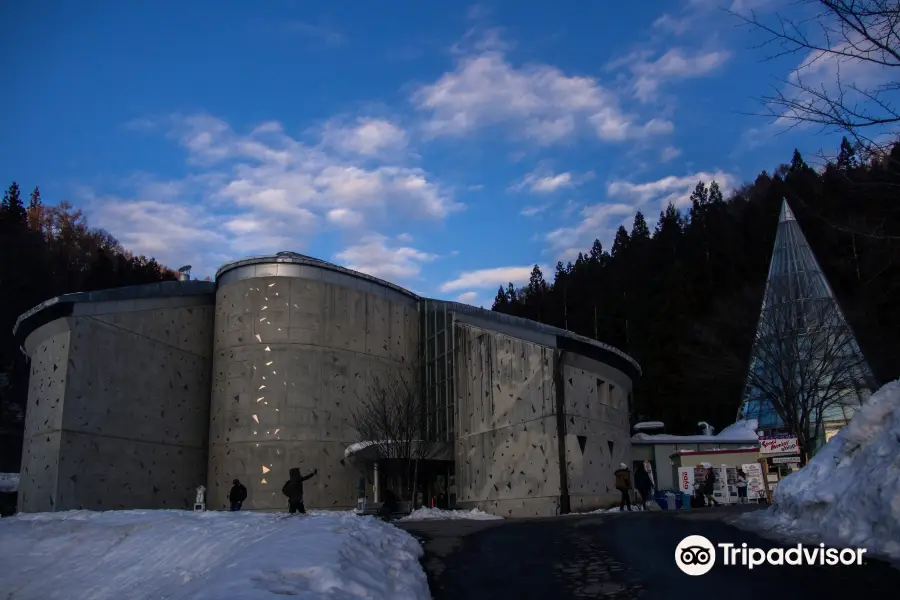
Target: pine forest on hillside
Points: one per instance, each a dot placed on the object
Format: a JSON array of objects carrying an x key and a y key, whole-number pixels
[
  {"x": 684, "y": 299},
  {"x": 46, "y": 251}
]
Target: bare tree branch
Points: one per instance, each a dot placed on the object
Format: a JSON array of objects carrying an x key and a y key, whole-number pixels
[
  {"x": 393, "y": 418},
  {"x": 804, "y": 358},
  {"x": 849, "y": 34}
]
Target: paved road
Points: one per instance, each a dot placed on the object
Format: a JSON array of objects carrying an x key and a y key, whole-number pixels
[{"x": 627, "y": 556}]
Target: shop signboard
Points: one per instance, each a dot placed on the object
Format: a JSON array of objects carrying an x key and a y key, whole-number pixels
[
  {"x": 686, "y": 480},
  {"x": 755, "y": 485},
  {"x": 779, "y": 444},
  {"x": 785, "y": 460}
]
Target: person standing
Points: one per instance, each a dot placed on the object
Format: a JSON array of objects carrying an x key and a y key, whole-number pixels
[
  {"x": 709, "y": 487},
  {"x": 293, "y": 489},
  {"x": 623, "y": 484},
  {"x": 237, "y": 495},
  {"x": 741, "y": 484},
  {"x": 644, "y": 485}
]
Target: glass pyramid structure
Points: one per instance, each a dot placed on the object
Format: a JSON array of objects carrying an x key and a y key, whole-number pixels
[{"x": 803, "y": 343}]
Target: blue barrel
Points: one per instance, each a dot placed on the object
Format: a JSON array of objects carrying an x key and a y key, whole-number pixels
[{"x": 661, "y": 499}]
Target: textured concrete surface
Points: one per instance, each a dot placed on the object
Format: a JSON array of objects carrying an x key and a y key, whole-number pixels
[
  {"x": 507, "y": 454},
  {"x": 597, "y": 431},
  {"x": 118, "y": 402},
  {"x": 619, "y": 556},
  {"x": 292, "y": 358}
]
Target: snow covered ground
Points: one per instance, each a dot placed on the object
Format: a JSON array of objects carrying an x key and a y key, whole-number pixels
[
  {"x": 435, "y": 514},
  {"x": 179, "y": 555},
  {"x": 849, "y": 493}
]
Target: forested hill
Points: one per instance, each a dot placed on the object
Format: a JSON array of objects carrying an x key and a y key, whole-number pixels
[
  {"x": 46, "y": 251},
  {"x": 683, "y": 299}
]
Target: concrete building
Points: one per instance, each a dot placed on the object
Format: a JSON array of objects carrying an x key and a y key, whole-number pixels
[{"x": 138, "y": 395}]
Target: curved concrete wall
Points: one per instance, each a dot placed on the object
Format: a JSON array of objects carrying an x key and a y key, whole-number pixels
[
  {"x": 118, "y": 398},
  {"x": 296, "y": 345}
]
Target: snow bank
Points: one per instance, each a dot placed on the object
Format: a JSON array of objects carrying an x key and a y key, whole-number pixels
[
  {"x": 122, "y": 555},
  {"x": 849, "y": 493},
  {"x": 433, "y": 514},
  {"x": 9, "y": 482}
]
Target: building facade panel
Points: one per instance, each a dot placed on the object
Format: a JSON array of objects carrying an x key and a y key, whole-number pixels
[
  {"x": 129, "y": 382},
  {"x": 286, "y": 383}
]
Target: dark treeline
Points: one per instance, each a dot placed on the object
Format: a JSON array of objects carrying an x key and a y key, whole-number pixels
[
  {"x": 46, "y": 251},
  {"x": 674, "y": 296}
]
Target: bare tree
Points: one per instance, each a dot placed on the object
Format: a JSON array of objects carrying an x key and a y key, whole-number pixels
[
  {"x": 804, "y": 360},
  {"x": 393, "y": 417},
  {"x": 845, "y": 36}
]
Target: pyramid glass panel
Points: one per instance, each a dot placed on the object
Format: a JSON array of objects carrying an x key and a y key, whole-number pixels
[{"x": 800, "y": 329}]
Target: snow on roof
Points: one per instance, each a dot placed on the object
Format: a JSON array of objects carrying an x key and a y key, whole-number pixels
[
  {"x": 649, "y": 425},
  {"x": 741, "y": 432},
  {"x": 9, "y": 482}
]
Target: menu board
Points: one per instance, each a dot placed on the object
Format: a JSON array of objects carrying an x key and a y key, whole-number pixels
[{"x": 755, "y": 486}]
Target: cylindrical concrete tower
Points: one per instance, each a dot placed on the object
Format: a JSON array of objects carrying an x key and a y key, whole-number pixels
[{"x": 297, "y": 343}]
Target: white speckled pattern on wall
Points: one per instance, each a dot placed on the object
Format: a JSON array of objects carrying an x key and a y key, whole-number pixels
[{"x": 292, "y": 358}]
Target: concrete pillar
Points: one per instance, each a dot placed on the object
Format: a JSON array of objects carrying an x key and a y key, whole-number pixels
[{"x": 375, "y": 481}]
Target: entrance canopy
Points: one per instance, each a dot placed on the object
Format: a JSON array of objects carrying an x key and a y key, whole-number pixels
[{"x": 363, "y": 453}]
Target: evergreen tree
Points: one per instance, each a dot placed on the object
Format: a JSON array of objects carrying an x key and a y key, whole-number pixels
[
  {"x": 639, "y": 229},
  {"x": 846, "y": 159},
  {"x": 715, "y": 194},
  {"x": 620, "y": 242},
  {"x": 12, "y": 211},
  {"x": 649, "y": 299}
]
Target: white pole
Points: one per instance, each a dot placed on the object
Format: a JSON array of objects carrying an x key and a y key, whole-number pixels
[{"x": 375, "y": 480}]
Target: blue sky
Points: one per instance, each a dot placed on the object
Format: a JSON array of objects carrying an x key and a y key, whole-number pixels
[{"x": 444, "y": 147}]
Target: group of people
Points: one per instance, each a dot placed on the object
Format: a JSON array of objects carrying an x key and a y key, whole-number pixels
[
  {"x": 704, "y": 491},
  {"x": 293, "y": 489},
  {"x": 643, "y": 483}
]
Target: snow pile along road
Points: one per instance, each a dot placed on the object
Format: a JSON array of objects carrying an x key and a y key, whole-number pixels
[
  {"x": 849, "y": 493},
  {"x": 123, "y": 555},
  {"x": 434, "y": 514}
]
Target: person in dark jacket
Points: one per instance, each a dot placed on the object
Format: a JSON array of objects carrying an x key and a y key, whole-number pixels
[
  {"x": 293, "y": 489},
  {"x": 391, "y": 504},
  {"x": 237, "y": 495},
  {"x": 623, "y": 484},
  {"x": 709, "y": 487},
  {"x": 643, "y": 484}
]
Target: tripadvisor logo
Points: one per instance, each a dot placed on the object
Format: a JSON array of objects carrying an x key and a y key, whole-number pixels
[{"x": 696, "y": 555}]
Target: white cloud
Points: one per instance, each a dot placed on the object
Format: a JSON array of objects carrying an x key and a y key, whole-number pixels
[
  {"x": 488, "y": 278},
  {"x": 366, "y": 137},
  {"x": 675, "y": 64},
  {"x": 261, "y": 191},
  {"x": 544, "y": 181},
  {"x": 530, "y": 211},
  {"x": 600, "y": 221},
  {"x": 345, "y": 217},
  {"x": 672, "y": 24},
  {"x": 671, "y": 189},
  {"x": 668, "y": 153},
  {"x": 375, "y": 256},
  {"x": 405, "y": 238},
  {"x": 467, "y": 297},
  {"x": 597, "y": 221},
  {"x": 538, "y": 102}
]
